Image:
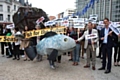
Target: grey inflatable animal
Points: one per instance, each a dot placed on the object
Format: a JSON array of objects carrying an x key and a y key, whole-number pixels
[{"x": 54, "y": 45}]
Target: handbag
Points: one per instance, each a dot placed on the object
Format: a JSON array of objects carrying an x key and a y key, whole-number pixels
[{"x": 31, "y": 52}]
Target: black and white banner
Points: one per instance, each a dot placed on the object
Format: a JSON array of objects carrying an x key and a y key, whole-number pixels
[{"x": 91, "y": 36}]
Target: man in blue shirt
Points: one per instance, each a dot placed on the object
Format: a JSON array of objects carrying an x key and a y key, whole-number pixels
[{"x": 107, "y": 37}]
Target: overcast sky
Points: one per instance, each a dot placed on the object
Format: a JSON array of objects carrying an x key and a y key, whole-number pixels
[{"x": 53, "y": 7}]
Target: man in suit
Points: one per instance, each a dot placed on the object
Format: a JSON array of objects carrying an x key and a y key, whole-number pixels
[
  {"x": 107, "y": 38},
  {"x": 3, "y": 33},
  {"x": 90, "y": 46}
]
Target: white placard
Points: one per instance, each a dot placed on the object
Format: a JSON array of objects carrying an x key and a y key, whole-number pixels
[
  {"x": 40, "y": 20},
  {"x": 79, "y": 25},
  {"x": 91, "y": 36},
  {"x": 114, "y": 29},
  {"x": 50, "y": 23},
  {"x": 65, "y": 23},
  {"x": 93, "y": 17},
  {"x": 11, "y": 26}
]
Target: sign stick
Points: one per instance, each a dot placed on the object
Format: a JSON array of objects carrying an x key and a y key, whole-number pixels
[{"x": 93, "y": 45}]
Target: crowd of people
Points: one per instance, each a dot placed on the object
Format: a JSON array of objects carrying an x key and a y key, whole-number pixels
[{"x": 105, "y": 41}]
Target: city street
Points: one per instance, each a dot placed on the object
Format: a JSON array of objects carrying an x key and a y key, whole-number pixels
[
  {"x": 29, "y": 70},
  {"x": 27, "y": 23}
]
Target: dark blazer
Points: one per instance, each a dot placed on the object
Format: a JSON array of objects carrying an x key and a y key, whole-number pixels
[
  {"x": 110, "y": 39},
  {"x": 1, "y": 31},
  {"x": 115, "y": 40}
]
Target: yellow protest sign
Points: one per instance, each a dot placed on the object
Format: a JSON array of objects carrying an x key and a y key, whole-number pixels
[
  {"x": 33, "y": 33},
  {"x": 40, "y": 32},
  {"x": 7, "y": 39}
]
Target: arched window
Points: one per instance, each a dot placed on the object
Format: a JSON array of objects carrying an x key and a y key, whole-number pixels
[{"x": 8, "y": 8}]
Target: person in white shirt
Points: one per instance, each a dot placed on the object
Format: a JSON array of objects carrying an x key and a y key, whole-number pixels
[{"x": 17, "y": 46}]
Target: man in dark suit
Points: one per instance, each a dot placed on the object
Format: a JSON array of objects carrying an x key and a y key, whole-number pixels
[
  {"x": 3, "y": 32},
  {"x": 107, "y": 38}
]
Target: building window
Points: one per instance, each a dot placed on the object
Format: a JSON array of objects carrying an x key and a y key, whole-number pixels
[
  {"x": 8, "y": 17},
  {"x": 8, "y": 7},
  {"x": 14, "y": 7},
  {"x": 116, "y": 6},
  {"x": 1, "y": 7},
  {"x": 1, "y": 17},
  {"x": 118, "y": 15},
  {"x": 115, "y": 15}
]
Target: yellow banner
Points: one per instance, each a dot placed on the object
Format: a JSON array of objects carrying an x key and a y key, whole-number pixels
[
  {"x": 33, "y": 33},
  {"x": 7, "y": 39}
]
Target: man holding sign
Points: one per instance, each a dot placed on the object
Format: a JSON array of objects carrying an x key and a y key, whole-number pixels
[
  {"x": 91, "y": 38},
  {"x": 107, "y": 38}
]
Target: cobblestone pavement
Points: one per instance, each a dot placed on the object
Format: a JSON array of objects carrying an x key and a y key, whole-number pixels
[{"x": 29, "y": 70}]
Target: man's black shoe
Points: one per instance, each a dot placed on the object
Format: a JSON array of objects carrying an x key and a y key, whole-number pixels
[
  {"x": 70, "y": 59},
  {"x": 14, "y": 58},
  {"x": 98, "y": 57},
  {"x": 107, "y": 71},
  {"x": 18, "y": 59},
  {"x": 9, "y": 56},
  {"x": 101, "y": 57},
  {"x": 101, "y": 68}
]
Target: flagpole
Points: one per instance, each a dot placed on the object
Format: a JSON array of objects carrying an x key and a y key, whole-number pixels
[
  {"x": 100, "y": 10},
  {"x": 110, "y": 9},
  {"x": 93, "y": 45},
  {"x": 95, "y": 6},
  {"x": 104, "y": 13}
]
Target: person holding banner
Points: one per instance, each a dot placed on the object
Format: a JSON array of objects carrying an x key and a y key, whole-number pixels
[
  {"x": 71, "y": 34},
  {"x": 24, "y": 44},
  {"x": 90, "y": 45},
  {"x": 39, "y": 57},
  {"x": 3, "y": 33},
  {"x": 107, "y": 38},
  {"x": 8, "y": 44},
  {"x": 115, "y": 50},
  {"x": 17, "y": 46},
  {"x": 118, "y": 59},
  {"x": 76, "y": 51}
]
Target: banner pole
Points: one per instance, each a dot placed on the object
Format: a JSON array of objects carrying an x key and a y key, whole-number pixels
[{"x": 93, "y": 45}]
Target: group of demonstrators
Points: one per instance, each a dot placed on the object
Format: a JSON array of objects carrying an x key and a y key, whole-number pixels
[
  {"x": 106, "y": 40},
  {"x": 17, "y": 48}
]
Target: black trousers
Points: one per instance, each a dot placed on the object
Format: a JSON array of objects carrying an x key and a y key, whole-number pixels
[
  {"x": 107, "y": 53},
  {"x": 9, "y": 50},
  {"x": 2, "y": 47},
  {"x": 100, "y": 50},
  {"x": 17, "y": 51},
  {"x": 117, "y": 53},
  {"x": 59, "y": 58},
  {"x": 52, "y": 57}
]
